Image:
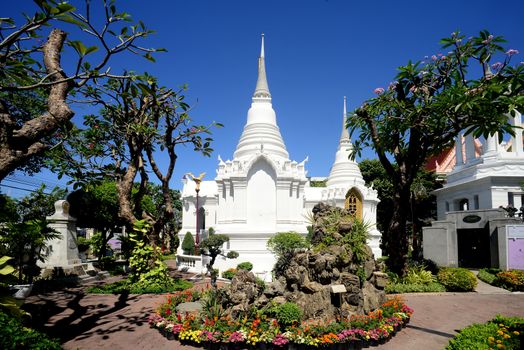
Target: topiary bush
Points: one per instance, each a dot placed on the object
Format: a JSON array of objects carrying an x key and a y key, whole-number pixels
[
  {"x": 246, "y": 265},
  {"x": 287, "y": 314},
  {"x": 14, "y": 336},
  {"x": 188, "y": 244},
  {"x": 457, "y": 279}
]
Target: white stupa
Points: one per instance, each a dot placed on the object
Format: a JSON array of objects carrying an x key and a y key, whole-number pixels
[{"x": 261, "y": 191}]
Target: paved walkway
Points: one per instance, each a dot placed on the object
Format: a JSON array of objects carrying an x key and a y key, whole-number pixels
[{"x": 84, "y": 321}]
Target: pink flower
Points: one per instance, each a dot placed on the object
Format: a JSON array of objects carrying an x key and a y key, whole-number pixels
[
  {"x": 379, "y": 90},
  {"x": 496, "y": 65},
  {"x": 434, "y": 58},
  {"x": 512, "y": 52}
]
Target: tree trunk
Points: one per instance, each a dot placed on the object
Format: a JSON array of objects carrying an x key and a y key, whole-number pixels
[{"x": 397, "y": 236}]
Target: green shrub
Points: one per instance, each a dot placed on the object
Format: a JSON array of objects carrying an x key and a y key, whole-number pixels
[
  {"x": 418, "y": 275},
  {"x": 245, "y": 266},
  {"x": 14, "y": 336},
  {"x": 512, "y": 280},
  {"x": 287, "y": 314},
  {"x": 399, "y": 288},
  {"x": 488, "y": 275},
  {"x": 500, "y": 330},
  {"x": 188, "y": 244},
  {"x": 229, "y": 273},
  {"x": 146, "y": 287},
  {"x": 457, "y": 279},
  {"x": 286, "y": 242}
]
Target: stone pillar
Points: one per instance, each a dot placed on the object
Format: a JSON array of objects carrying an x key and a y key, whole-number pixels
[
  {"x": 458, "y": 151},
  {"x": 63, "y": 250}
]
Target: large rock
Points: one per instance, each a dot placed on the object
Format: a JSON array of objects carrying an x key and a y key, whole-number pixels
[{"x": 306, "y": 279}]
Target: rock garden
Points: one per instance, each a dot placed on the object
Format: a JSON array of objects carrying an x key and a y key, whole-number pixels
[{"x": 327, "y": 290}]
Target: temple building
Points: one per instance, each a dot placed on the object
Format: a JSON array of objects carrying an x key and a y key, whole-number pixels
[
  {"x": 480, "y": 207},
  {"x": 262, "y": 191}
]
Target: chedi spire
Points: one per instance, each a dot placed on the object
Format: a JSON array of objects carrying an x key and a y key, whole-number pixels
[{"x": 262, "y": 89}]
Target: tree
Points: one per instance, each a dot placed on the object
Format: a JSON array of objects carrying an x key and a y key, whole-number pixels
[
  {"x": 139, "y": 122},
  {"x": 423, "y": 203},
  {"x": 32, "y": 70},
  {"x": 24, "y": 233},
  {"x": 430, "y": 103},
  {"x": 188, "y": 244},
  {"x": 212, "y": 247},
  {"x": 38, "y": 205}
]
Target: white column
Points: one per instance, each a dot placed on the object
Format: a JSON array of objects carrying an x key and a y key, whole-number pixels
[
  {"x": 491, "y": 144},
  {"x": 458, "y": 151},
  {"x": 517, "y": 139},
  {"x": 470, "y": 148}
]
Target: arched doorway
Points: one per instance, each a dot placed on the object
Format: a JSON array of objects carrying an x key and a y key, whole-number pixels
[{"x": 354, "y": 203}]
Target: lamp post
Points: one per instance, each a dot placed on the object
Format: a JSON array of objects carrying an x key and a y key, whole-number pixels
[
  {"x": 197, "y": 237},
  {"x": 197, "y": 181}
]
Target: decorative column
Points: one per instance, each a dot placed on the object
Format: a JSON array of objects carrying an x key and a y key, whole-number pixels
[
  {"x": 458, "y": 151},
  {"x": 517, "y": 139},
  {"x": 63, "y": 250},
  {"x": 470, "y": 148}
]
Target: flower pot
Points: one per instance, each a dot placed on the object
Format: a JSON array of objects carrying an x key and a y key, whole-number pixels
[{"x": 22, "y": 291}]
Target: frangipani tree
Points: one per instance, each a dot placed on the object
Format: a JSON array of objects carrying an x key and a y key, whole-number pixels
[
  {"x": 32, "y": 71},
  {"x": 471, "y": 88}
]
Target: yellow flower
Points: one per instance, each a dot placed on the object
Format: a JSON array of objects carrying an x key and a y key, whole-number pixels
[
  {"x": 516, "y": 332},
  {"x": 500, "y": 346}
]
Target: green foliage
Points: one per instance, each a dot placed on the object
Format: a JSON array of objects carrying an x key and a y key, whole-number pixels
[
  {"x": 14, "y": 336},
  {"x": 212, "y": 247},
  {"x": 457, "y": 279},
  {"x": 418, "y": 275},
  {"x": 7, "y": 302},
  {"x": 356, "y": 240},
  {"x": 426, "y": 107},
  {"x": 188, "y": 244},
  {"x": 98, "y": 245},
  {"x": 287, "y": 314},
  {"x": 27, "y": 89},
  {"x": 488, "y": 275},
  {"x": 229, "y": 273},
  {"x": 499, "y": 333},
  {"x": 232, "y": 254},
  {"x": 321, "y": 183},
  {"x": 125, "y": 286},
  {"x": 26, "y": 242},
  {"x": 286, "y": 242},
  {"x": 512, "y": 280},
  {"x": 399, "y": 288},
  {"x": 246, "y": 265},
  {"x": 148, "y": 272}
]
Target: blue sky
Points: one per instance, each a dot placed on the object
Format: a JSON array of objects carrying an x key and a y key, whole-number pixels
[{"x": 317, "y": 51}]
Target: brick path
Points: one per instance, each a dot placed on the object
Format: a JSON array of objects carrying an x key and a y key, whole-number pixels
[{"x": 84, "y": 321}]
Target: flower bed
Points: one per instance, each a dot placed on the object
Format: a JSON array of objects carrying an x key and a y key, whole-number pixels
[{"x": 261, "y": 331}]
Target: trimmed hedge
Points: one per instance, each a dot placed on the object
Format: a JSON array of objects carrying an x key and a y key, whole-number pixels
[
  {"x": 488, "y": 275},
  {"x": 457, "y": 279},
  {"x": 399, "y": 288}
]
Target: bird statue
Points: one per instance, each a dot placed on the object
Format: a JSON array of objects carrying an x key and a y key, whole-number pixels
[{"x": 197, "y": 180}]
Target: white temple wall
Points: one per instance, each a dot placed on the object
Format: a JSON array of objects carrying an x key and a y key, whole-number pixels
[{"x": 261, "y": 196}]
